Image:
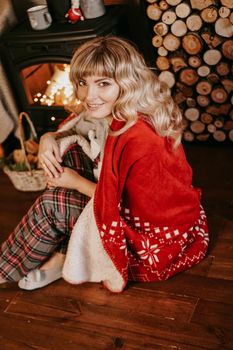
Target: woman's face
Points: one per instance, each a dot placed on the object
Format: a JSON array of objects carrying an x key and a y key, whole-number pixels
[{"x": 98, "y": 95}]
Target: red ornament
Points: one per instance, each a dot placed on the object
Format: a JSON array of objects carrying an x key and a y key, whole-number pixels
[{"x": 74, "y": 14}]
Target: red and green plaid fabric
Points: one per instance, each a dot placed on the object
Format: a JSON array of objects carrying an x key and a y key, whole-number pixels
[{"x": 47, "y": 225}]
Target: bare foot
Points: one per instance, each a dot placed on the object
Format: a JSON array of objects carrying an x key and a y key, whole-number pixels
[{"x": 56, "y": 260}]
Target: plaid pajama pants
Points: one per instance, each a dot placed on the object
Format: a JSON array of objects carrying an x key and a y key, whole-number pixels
[{"x": 47, "y": 225}]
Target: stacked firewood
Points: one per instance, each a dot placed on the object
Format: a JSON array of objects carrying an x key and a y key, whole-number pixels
[{"x": 194, "y": 52}]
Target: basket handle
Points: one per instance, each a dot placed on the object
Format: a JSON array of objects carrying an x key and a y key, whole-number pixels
[{"x": 22, "y": 135}]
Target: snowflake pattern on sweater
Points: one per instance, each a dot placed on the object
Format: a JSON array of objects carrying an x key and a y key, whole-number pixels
[{"x": 156, "y": 253}]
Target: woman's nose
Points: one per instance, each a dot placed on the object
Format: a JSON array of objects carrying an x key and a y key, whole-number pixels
[{"x": 91, "y": 92}]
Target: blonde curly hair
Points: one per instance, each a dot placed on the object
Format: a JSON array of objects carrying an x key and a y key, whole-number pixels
[{"x": 141, "y": 92}]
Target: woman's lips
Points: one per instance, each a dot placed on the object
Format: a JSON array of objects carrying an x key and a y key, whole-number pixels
[{"x": 94, "y": 106}]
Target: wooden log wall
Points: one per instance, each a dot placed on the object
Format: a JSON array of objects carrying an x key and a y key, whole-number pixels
[{"x": 193, "y": 41}]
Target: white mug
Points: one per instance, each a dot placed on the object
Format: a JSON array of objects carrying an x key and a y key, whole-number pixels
[
  {"x": 39, "y": 17},
  {"x": 92, "y": 8}
]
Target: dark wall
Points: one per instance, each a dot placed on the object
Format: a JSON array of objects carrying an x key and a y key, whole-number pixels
[
  {"x": 139, "y": 29},
  {"x": 21, "y": 6}
]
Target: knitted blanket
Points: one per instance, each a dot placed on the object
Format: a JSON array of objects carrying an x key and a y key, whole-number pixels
[{"x": 89, "y": 134}]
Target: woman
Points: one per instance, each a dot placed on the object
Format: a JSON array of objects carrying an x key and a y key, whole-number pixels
[{"x": 144, "y": 221}]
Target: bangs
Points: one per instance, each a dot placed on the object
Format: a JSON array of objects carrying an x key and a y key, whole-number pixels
[{"x": 97, "y": 62}]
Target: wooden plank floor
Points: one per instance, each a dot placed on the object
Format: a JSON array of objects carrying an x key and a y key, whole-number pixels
[{"x": 191, "y": 311}]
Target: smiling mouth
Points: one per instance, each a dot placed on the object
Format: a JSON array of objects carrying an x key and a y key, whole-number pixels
[{"x": 94, "y": 106}]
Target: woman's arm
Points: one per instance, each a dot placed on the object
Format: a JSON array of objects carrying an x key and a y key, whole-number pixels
[
  {"x": 72, "y": 180},
  {"x": 49, "y": 153}
]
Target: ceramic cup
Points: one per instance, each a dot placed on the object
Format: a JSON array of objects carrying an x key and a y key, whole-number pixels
[
  {"x": 39, "y": 17},
  {"x": 92, "y": 8}
]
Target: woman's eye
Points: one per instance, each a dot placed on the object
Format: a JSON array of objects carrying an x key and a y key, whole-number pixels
[
  {"x": 81, "y": 83},
  {"x": 104, "y": 83}
]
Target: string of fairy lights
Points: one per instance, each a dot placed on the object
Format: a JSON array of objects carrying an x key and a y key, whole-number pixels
[{"x": 59, "y": 89}]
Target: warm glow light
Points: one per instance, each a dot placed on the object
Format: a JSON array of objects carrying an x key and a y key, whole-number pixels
[{"x": 59, "y": 89}]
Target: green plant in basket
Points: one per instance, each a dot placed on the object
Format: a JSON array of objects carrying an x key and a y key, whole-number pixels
[
  {"x": 18, "y": 161},
  {"x": 22, "y": 165}
]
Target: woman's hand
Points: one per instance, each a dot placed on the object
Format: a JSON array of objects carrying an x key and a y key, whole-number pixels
[
  {"x": 49, "y": 155},
  {"x": 68, "y": 179},
  {"x": 72, "y": 180}
]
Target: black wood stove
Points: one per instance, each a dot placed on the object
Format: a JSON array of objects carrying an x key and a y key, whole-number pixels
[{"x": 37, "y": 63}]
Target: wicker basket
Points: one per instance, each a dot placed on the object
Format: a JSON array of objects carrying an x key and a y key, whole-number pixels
[{"x": 33, "y": 179}]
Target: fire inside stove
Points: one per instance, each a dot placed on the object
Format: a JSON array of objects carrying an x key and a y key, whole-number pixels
[{"x": 47, "y": 84}]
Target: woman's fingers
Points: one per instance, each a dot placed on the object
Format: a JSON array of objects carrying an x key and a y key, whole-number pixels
[
  {"x": 51, "y": 167},
  {"x": 49, "y": 186},
  {"x": 50, "y": 170},
  {"x": 57, "y": 154},
  {"x": 49, "y": 155}
]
